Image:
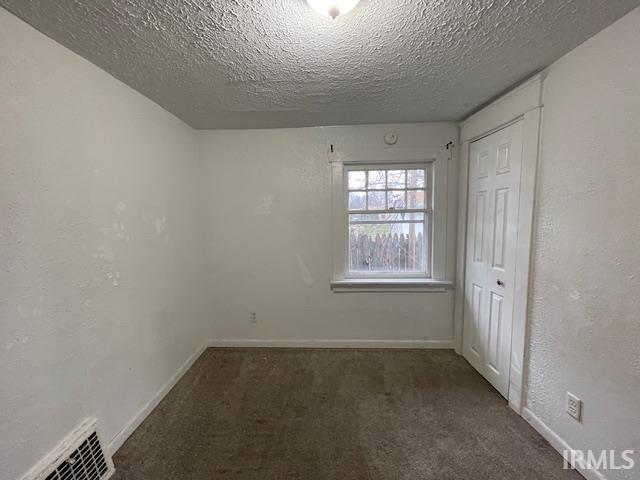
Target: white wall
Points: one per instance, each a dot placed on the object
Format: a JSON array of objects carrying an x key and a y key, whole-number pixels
[
  {"x": 585, "y": 329},
  {"x": 98, "y": 246},
  {"x": 269, "y": 240}
]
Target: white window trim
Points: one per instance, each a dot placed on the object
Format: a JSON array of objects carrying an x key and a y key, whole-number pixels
[
  {"x": 427, "y": 222},
  {"x": 441, "y": 264}
]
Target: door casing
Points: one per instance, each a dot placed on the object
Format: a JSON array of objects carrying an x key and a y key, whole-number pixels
[{"x": 523, "y": 103}]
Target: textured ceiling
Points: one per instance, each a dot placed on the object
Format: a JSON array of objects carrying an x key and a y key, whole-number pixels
[{"x": 277, "y": 63}]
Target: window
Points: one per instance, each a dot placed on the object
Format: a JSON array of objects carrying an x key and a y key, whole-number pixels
[{"x": 388, "y": 220}]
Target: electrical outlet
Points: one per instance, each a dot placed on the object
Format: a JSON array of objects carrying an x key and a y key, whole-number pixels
[
  {"x": 574, "y": 406},
  {"x": 254, "y": 317}
]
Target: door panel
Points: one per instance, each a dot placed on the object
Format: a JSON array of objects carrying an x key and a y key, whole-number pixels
[
  {"x": 476, "y": 343},
  {"x": 494, "y": 190},
  {"x": 500, "y": 227},
  {"x": 478, "y": 238},
  {"x": 495, "y": 319}
]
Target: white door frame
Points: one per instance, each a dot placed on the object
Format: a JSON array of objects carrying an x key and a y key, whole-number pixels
[{"x": 523, "y": 103}]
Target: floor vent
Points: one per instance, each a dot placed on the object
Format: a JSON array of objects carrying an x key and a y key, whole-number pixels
[
  {"x": 80, "y": 456},
  {"x": 87, "y": 462}
]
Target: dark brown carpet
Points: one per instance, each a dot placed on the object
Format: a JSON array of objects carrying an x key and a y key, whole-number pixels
[{"x": 270, "y": 414}]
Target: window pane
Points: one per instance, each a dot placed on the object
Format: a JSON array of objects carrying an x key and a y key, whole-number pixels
[
  {"x": 415, "y": 199},
  {"x": 387, "y": 248},
  {"x": 396, "y": 179},
  {"x": 357, "y": 201},
  {"x": 377, "y": 180},
  {"x": 415, "y": 178},
  {"x": 386, "y": 217},
  {"x": 376, "y": 200},
  {"x": 357, "y": 180},
  {"x": 396, "y": 199}
]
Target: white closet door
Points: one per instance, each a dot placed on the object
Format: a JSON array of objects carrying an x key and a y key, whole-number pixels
[{"x": 492, "y": 231}]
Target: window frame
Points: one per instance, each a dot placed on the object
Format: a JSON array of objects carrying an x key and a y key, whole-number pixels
[
  {"x": 427, "y": 210},
  {"x": 441, "y": 265}
]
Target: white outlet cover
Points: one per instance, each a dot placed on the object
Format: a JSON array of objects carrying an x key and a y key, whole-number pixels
[{"x": 574, "y": 406}]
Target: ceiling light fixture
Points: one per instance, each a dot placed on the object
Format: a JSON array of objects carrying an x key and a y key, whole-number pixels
[{"x": 333, "y": 8}]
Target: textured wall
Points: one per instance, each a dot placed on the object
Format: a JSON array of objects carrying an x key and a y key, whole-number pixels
[
  {"x": 269, "y": 239},
  {"x": 274, "y": 63},
  {"x": 585, "y": 328},
  {"x": 98, "y": 272}
]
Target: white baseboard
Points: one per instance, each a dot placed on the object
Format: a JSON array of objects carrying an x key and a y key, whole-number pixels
[
  {"x": 326, "y": 343},
  {"x": 139, "y": 417},
  {"x": 558, "y": 443}
]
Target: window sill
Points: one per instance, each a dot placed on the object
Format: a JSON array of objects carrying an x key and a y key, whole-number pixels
[{"x": 390, "y": 285}]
